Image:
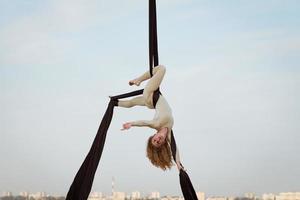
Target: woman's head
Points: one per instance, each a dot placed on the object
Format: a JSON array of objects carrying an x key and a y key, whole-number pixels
[
  {"x": 159, "y": 155},
  {"x": 159, "y": 138}
]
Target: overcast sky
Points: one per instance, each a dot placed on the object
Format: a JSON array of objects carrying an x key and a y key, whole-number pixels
[{"x": 233, "y": 82}]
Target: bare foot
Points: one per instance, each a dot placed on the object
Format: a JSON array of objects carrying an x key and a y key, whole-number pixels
[
  {"x": 135, "y": 82},
  {"x": 126, "y": 126}
]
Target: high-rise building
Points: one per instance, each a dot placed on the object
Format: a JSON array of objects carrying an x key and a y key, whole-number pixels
[
  {"x": 201, "y": 195},
  {"x": 112, "y": 185}
]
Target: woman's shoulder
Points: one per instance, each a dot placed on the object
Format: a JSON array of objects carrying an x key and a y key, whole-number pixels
[{"x": 169, "y": 135}]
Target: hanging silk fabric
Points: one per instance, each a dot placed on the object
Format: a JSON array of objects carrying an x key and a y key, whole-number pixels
[{"x": 83, "y": 181}]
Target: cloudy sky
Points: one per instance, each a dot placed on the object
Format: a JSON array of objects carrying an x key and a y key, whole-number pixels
[{"x": 233, "y": 82}]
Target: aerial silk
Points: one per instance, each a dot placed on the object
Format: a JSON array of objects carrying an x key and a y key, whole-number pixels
[{"x": 83, "y": 181}]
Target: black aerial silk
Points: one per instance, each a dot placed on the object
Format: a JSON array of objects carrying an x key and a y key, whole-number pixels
[{"x": 83, "y": 181}]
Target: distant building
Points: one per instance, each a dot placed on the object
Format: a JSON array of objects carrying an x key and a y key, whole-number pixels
[
  {"x": 95, "y": 196},
  {"x": 24, "y": 194},
  {"x": 201, "y": 195},
  {"x": 135, "y": 195},
  {"x": 250, "y": 195},
  {"x": 172, "y": 198},
  {"x": 119, "y": 196},
  {"x": 288, "y": 196},
  {"x": 38, "y": 195},
  {"x": 154, "y": 195},
  {"x": 7, "y": 194},
  {"x": 269, "y": 196},
  {"x": 216, "y": 198}
]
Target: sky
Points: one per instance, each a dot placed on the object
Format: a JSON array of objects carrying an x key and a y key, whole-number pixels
[{"x": 233, "y": 82}]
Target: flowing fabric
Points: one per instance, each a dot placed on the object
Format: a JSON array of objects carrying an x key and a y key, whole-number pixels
[
  {"x": 187, "y": 186},
  {"x": 83, "y": 181},
  {"x": 153, "y": 47}
]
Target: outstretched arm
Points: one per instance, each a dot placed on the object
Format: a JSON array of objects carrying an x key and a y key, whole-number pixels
[
  {"x": 175, "y": 152},
  {"x": 178, "y": 162}
]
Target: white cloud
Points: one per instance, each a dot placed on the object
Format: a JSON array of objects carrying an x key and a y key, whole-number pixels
[
  {"x": 42, "y": 36},
  {"x": 33, "y": 39}
]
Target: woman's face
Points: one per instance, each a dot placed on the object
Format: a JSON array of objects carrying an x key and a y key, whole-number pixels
[{"x": 159, "y": 138}]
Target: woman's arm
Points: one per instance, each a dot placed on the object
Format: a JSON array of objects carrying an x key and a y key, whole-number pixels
[
  {"x": 175, "y": 152},
  {"x": 178, "y": 162}
]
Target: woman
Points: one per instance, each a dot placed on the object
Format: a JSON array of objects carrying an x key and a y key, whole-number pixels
[{"x": 158, "y": 146}]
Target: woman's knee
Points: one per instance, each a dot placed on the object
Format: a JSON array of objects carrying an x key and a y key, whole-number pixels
[{"x": 161, "y": 68}]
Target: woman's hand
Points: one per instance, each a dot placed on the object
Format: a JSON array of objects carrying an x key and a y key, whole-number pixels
[
  {"x": 126, "y": 126},
  {"x": 179, "y": 166}
]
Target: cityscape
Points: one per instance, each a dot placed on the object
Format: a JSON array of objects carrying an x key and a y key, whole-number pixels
[
  {"x": 233, "y": 72},
  {"x": 155, "y": 195}
]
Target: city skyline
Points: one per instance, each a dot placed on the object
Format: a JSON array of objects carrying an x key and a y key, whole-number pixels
[
  {"x": 156, "y": 195},
  {"x": 235, "y": 64}
]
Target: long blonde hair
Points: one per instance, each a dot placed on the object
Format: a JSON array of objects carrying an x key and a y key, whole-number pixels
[{"x": 159, "y": 156}]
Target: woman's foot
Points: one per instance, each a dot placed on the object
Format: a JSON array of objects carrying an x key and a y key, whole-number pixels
[{"x": 135, "y": 82}]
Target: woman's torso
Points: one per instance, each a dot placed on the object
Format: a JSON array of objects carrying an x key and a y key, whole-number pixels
[{"x": 163, "y": 112}]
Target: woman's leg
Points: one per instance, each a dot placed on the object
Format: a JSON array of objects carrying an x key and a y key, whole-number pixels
[
  {"x": 137, "y": 101},
  {"x": 155, "y": 81},
  {"x": 147, "y": 75}
]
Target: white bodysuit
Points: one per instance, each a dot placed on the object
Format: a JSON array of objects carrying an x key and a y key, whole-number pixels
[{"x": 163, "y": 114}]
